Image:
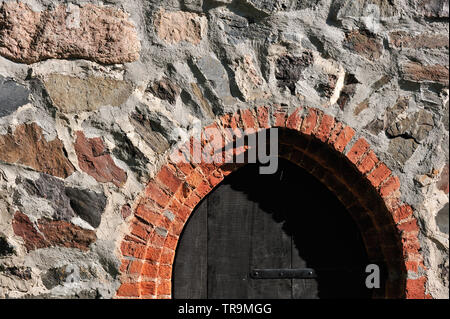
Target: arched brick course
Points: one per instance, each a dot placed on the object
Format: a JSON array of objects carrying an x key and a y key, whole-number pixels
[{"x": 317, "y": 142}]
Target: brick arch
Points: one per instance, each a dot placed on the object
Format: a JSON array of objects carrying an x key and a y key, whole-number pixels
[{"x": 319, "y": 143}]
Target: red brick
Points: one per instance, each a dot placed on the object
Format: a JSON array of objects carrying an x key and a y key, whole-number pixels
[
  {"x": 177, "y": 227},
  {"x": 165, "y": 272},
  {"x": 129, "y": 290},
  {"x": 409, "y": 226},
  {"x": 203, "y": 189},
  {"x": 415, "y": 288},
  {"x": 263, "y": 117},
  {"x": 412, "y": 266},
  {"x": 171, "y": 242},
  {"x": 295, "y": 119},
  {"x": 124, "y": 265},
  {"x": 185, "y": 168},
  {"x": 140, "y": 229},
  {"x": 153, "y": 253},
  {"x": 390, "y": 186},
  {"x": 368, "y": 163},
  {"x": 195, "y": 179},
  {"x": 183, "y": 193},
  {"x": 167, "y": 257},
  {"x": 207, "y": 168},
  {"x": 147, "y": 212},
  {"x": 167, "y": 178},
  {"x": 248, "y": 119},
  {"x": 132, "y": 249},
  {"x": 135, "y": 268},
  {"x": 358, "y": 150},
  {"x": 310, "y": 121},
  {"x": 165, "y": 287},
  {"x": 192, "y": 200},
  {"x": 148, "y": 288},
  {"x": 184, "y": 212},
  {"x": 379, "y": 175},
  {"x": 325, "y": 127},
  {"x": 279, "y": 118},
  {"x": 335, "y": 133},
  {"x": 149, "y": 270},
  {"x": 155, "y": 192},
  {"x": 402, "y": 212},
  {"x": 344, "y": 138},
  {"x": 215, "y": 178}
]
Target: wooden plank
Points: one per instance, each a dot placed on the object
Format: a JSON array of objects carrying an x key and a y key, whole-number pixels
[
  {"x": 190, "y": 269},
  {"x": 228, "y": 243},
  {"x": 270, "y": 244}
]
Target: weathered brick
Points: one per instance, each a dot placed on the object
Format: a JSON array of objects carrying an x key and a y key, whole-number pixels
[
  {"x": 368, "y": 163},
  {"x": 402, "y": 212},
  {"x": 248, "y": 119},
  {"x": 148, "y": 288},
  {"x": 310, "y": 121},
  {"x": 279, "y": 117},
  {"x": 409, "y": 226},
  {"x": 390, "y": 186},
  {"x": 344, "y": 138},
  {"x": 294, "y": 121},
  {"x": 156, "y": 193},
  {"x": 129, "y": 290},
  {"x": 167, "y": 178},
  {"x": 153, "y": 254},
  {"x": 379, "y": 175},
  {"x": 164, "y": 287},
  {"x": 195, "y": 179},
  {"x": 325, "y": 127},
  {"x": 263, "y": 117},
  {"x": 358, "y": 150},
  {"x": 415, "y": 288}
]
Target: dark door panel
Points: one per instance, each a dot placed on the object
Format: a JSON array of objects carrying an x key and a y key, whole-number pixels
[{"x": 286, "y": 221}]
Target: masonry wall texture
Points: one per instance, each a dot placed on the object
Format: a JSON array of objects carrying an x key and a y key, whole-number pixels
[{"x": 96, "y": 97}]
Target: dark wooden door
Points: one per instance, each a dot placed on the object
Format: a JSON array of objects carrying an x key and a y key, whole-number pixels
[{"x": 287, "y": 220}]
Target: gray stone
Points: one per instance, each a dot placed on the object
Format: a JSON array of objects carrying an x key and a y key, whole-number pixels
[
  {"x": 214, "y": 74},
  {"x": 290, "y": 68},
  {"x": 72, "y": 94},
  {"x": 146, "y": 129},
  {"x": 433, "y": 8},
  {"x": 417, "y": 126},
  {"x": 87, "y": 204},
  {"x": 12, "y": 96},
  {"x": 442, "y": 219},
  {"x": 54, "y": 277},
  {"x": 402, "y": 149},
  {"x": 5, "y": 247},
  {"x": 54, "y": 191}
]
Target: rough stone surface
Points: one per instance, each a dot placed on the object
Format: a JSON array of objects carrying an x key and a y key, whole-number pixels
[
  {"x": 28, "y": 146},
  {"x": 289, "y": 69},
  {"x": 88, "y": 205},
  {"x": 51, "y": 233},
  {"x": 12, "y": 96},
  {"x": 95, "y": 98},
  {"x": 174, "y": 27},
  {"x": 72, "y": 94},
  {"x": 364, "y": 44},
  {"x": 94, "y": 159},
  {"x": 164, "y": 90},
  {"x": 89, "y": 32}
]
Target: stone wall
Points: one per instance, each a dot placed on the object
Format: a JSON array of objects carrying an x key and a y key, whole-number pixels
[{"x": 95, "y": 96}]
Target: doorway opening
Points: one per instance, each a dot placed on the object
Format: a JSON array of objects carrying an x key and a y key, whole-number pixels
[{"x": 253, "y": 235}]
